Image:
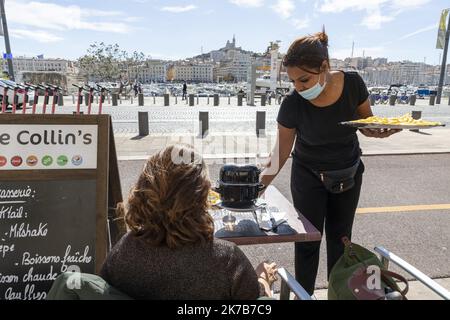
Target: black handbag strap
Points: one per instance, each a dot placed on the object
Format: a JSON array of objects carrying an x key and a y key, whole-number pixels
[{"x": 385, "y": 274}]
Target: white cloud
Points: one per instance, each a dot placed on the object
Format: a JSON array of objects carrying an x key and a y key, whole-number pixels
[
  {"x": 116, "y": 27},
  {"x": 248, "y": 3},
  {"x": 53, "y": 16},
  {"x": 336, "y": 6},
  {"x": 410, "y": 4},
  {"x": 356, "y": 5},
  {"x": 316, "y": 5},
  {"x": 375, "y": 19},
  {"x": 37, "y": 35},
  {"x": 300, "y": 23},
  {"x": 100, "y": 13},
  {"x": 132, "y": 19},
  {"x": 179, "y": 9},
  {"x": 284, "y": 8},
  {"x": 378, "y": 12}
]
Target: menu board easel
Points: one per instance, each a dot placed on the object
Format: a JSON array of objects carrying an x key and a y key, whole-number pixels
[{"x": 59, "y": 184}]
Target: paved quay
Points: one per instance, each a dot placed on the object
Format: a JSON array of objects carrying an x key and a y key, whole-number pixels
[{"x": 246, "y": 145}]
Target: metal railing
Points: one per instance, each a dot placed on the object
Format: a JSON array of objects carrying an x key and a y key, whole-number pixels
[
  {"x": 289, "y": 284},
  {"x": 387, "y": 256}
]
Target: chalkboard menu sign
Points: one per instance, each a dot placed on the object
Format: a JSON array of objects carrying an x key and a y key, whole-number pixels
[
  {"x": 45, "y": 229},
  {"x": 53, "y": 200}
]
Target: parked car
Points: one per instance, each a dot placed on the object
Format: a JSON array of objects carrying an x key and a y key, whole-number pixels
[{"x": 11, "y": 85}]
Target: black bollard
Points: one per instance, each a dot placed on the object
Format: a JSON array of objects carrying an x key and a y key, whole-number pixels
[
  {"x": 60, "y": 100},
  {"x": 412, "y": 100},
  {"x": 392, "y": 99},
  {"x": 432, "y": 100},
  {"x": 416, "y": 115},
  {"x": 115, "y": 98},
  {"x": 240, "y": 98},
  {"x": 372, "y": 99},
  {"x": 143, "y": 123},
  {"x": 166, "y": 99},
  {"x": 263, "y": 100},
  {"x": 191, "y": 100},
  {"x": 141, "y": 99},
  {"x": 203, "y": 124},
  {"x": 260, "y": 124},
  {"x": 216, "y": 100}
]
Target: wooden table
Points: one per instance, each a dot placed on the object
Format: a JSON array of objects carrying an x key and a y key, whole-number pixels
[{"x": 300, "y": 229}]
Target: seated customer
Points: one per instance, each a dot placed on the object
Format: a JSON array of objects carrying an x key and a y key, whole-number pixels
[{"x": 170, "y": 252}]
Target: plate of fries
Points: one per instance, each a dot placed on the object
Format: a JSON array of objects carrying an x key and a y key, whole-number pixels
[{"x": 404, "y": 122}]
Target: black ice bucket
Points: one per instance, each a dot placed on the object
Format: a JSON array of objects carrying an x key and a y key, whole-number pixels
[{"x": 239, "y": 185}]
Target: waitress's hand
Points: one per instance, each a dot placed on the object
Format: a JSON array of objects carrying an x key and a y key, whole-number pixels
[{"x": 379, "y": 133}]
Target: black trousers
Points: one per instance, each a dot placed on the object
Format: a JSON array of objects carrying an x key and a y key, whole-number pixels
[{"x": 334, "y": 211}]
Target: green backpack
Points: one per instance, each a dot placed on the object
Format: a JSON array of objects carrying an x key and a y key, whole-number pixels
[{"x": 353, "y": 275}]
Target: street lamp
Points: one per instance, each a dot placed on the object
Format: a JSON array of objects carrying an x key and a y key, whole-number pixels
[
  {"x": 6, "y": 35},
  {"x": 444, "y": 63}
]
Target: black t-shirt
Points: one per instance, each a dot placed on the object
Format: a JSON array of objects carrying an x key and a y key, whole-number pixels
[{"x": 322, "y": 143}]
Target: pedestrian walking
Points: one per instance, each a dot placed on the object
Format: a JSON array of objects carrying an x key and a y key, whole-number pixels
[{"x": 184, "y": 91}]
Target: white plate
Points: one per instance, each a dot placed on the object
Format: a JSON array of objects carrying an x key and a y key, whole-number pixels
[{"x": 388, "y": 126}]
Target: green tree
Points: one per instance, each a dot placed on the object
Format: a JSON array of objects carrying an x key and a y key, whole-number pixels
[
  {"x": 107, "y": 62},
  {"x": 101, "y": 62},
  {"x": 3, "y": 68},
  {"x": 130, "y": 62}
]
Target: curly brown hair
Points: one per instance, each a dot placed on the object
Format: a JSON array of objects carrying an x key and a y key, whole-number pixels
[{"x": 169, "y": 204}]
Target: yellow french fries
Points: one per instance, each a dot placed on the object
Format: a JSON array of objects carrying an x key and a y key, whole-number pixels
[
  {"x": 403, "y": 120},
  {"x": 213, "y": 197}
]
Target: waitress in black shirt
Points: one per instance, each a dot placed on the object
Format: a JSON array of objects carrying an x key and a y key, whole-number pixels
[{"x": 327, "y": 169}]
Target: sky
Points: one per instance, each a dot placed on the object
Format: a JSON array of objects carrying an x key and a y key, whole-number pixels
[{"x": 176, "y": 29}]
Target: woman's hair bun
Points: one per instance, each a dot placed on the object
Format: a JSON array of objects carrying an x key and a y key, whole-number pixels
[{"x": 322, "y": 36}]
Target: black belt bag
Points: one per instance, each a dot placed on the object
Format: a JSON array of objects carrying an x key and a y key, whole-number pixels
[{"x": 339, "y": 181}]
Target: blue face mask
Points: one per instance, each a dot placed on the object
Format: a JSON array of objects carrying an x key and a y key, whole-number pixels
[{"x": 313, "y": 92}]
